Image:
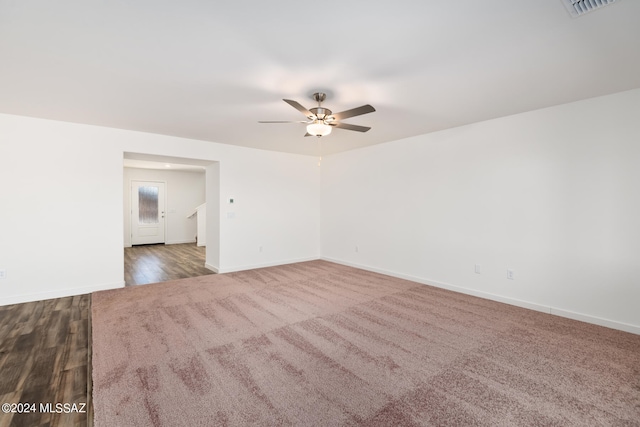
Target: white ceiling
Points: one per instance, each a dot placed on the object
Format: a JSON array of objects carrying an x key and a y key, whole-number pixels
[{"x": 210, "y": 70}]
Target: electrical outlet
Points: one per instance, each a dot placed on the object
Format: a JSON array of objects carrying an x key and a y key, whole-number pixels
[
  {"x": 260, "y": 249},
  {"x": 477, "y": 268},
  {"x": 3, "y": 274},
  {"x": 511, "y": 274},
  {"x": 357, "y": 249}
]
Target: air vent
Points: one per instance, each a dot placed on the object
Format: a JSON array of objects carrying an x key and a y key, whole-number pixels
[{"x": 580, "y": 7}]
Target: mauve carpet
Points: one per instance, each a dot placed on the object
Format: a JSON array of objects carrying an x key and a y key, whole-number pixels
[{"x": 321, "y": 344}]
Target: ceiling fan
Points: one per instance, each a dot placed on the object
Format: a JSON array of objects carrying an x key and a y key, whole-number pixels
[{"x": 321, "y": 120}]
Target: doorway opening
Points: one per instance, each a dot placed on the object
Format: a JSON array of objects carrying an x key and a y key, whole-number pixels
[{"x": 161, "y": 227}]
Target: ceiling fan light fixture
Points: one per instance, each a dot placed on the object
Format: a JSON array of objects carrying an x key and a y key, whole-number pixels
[{"x": 318, "y": 129}]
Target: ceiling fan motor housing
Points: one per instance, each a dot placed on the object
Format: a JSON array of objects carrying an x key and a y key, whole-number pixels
[{"x": 320, "y": 112}]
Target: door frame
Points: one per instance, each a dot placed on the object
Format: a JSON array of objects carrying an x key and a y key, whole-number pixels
[{"x": 213, "y": 188}]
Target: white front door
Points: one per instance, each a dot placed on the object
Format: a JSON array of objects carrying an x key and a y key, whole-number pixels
[{"x": 147, "y": 212}]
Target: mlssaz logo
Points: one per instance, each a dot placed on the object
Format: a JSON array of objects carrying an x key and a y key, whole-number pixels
[{"x": 63, "y": 408}]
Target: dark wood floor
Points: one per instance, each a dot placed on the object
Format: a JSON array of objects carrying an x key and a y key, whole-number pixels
[
  {"x": 44, "y": 358},
  {"x": 160, "y": 263},
  {"x": 45, "y": 346}
]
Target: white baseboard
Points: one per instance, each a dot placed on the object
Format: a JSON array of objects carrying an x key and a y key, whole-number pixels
[
  {"x": 212, "y": 267},
  {"x": 261, "y": 265},
  {"x": 621, "y": 326},
  {"x": 511, "y": 301},
  {"x": 179, "y": 242},
  {"x": 59, "y": 293}
]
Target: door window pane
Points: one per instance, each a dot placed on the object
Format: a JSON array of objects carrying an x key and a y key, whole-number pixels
[{"x": 148, "y": 205}]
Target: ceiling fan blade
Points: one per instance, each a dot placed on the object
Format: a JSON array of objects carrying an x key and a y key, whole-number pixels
[
  {"x": 354, "y": 112},
  {"x": 300, "y": 108},
  {"x": 347, "y": 126},
  {"x": 281, "y": 121}
]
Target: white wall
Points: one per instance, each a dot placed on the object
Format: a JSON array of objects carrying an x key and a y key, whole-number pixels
[
  {"x": 553, "y": 194},
  {"x": 61, "y": 205},
  {"x": 281, "y": 214},
  {"x": 184, "y": 192}
]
